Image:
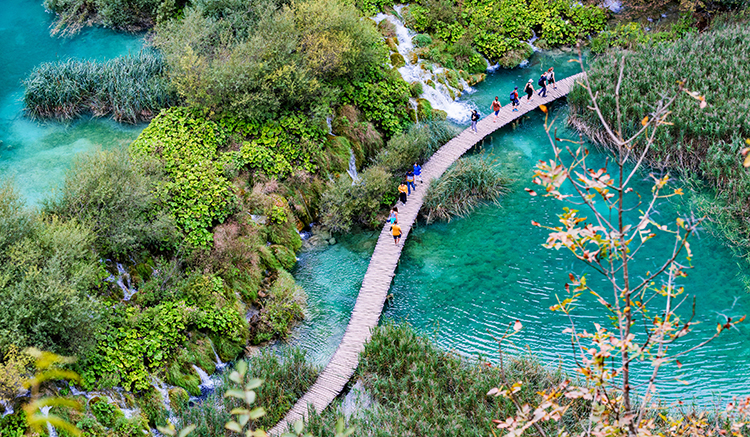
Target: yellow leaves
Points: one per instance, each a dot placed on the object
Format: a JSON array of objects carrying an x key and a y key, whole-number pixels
[
  {"x": 746, "y": 162},
  {"x": 543, "y": 108},
  {"x": 644, "y": 122},
  {"x": 530, "y": 191}
]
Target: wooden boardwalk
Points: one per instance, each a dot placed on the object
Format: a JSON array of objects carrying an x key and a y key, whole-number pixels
[{"x": 377, "y": 281}]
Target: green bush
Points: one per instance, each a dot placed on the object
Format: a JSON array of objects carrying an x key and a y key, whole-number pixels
[
  {"x": 415, "y": 145},
  {"x": 281, "y": 309},
  {"x": 345, "y": 204},
  {"x": 422, "y": 40},
  {"x": 105, "y": 412},
  {"x": 131, "y": 88},
  {"x": 186, "y": 146},
  {"x": 47, "y": 276},
  {"x": 105, "y": 191},
  {"x": 467, "y": 183}
]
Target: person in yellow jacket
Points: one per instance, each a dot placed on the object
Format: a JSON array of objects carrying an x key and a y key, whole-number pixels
[
  {"x": 402, "y": 190},
  {"x": 396, "y": 232}
]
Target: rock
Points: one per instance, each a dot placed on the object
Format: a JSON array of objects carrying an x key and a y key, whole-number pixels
[
  {"x": 392, "y": 44},
  {"x": 397, "y": 60},
  {"x": 332, "y": 241},
  {"x": 259, "y": 219},
  {"x": 324, "y": 234}
]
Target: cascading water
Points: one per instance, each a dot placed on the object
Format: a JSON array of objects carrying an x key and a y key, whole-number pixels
[
  {"x": 123, "y": 281},
  {"x": 352, "y": 167},
  {"x": 329, "y": 122},
  {"x": 220, "y": 365},
  {"x": 51, "y": 431},
  {"x": 437, "y": 93}
]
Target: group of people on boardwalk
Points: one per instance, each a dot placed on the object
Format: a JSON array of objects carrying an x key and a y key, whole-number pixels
[
  {"x": 408, "y": 185},
  {"x": 547, "y": 78}
]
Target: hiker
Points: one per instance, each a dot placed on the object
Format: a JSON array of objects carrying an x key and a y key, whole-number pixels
[
  {"x": 543, "y": 84},
  {"x": 496, "y": 107},
  {"x": 514, "y": 99},
  {"x": 529, "y": 89},
  {"x": 551, "y": 77},
  {"x": 393, "y": 217},
  {"x": 474, "y": 120},
  {"x": 396, "y": 232},
  {"x": 410, "y": 182},
  {"x": 402, "y": 190},
  {"x": 418, "y": 173}
]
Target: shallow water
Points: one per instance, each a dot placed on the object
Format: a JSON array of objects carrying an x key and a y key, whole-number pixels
[
  {"x": 36, "y": 155},
  {"x": 460, "y": 279}
]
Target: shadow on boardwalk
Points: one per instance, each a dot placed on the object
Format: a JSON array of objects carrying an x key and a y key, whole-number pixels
[{"x": 377, "y": 281}]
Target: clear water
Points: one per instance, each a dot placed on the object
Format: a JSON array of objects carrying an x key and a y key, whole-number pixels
[
  {"x": 460, "y": 279},
  {"x": 36, "y": 155}
]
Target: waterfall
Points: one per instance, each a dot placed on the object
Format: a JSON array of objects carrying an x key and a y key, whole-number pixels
[
  {"x": 50, "y": 429},
  {"x": 123, "y": 281},
  {"x": 438, "y": 94},
  {"x": 163, "y": 391},
  {"x": 7, "y": 408},
  {"x": 353, "y": 167},
  {"x": 220, "y": 365},
  {"x": 531, "y": 42},
  {"x": 329, "y": 121},
  {"x": 207, "y": 383}
]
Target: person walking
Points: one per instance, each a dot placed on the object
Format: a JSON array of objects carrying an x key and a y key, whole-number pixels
[
  {"x": 551, "y": 77},
  {"x": 474, "y": 120},
  {"x": 410, "y": 182},
  {"x": 514, "y": 99},
  {"x": 418, "y": 173},
  {"x": 396, "y": 232},
  {"x": 496, "y": 107},
  {"x": 543, "y": 84},
  {"x": 393, "y": 217},
  {"x": 402, "y": 190},
  {"x": 529, "y": 89}
]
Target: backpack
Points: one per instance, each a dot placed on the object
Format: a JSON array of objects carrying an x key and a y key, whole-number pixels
[
  {"x": 541, "y": 81},
  {"x": 512, "y": 95}
]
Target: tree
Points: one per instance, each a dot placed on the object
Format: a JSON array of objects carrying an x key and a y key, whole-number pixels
[{"x": 608, "y": 243}]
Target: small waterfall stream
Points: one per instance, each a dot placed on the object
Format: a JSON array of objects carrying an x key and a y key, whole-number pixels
[
  {"x": 352, "y": 170},
  {"x": 123, "y": 281},
  {"x": 51, "y": 431},
  {"x": 438, "y": 94}
]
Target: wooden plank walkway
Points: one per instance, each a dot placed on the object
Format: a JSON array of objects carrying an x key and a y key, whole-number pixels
[{"x": 377, "y": 281}]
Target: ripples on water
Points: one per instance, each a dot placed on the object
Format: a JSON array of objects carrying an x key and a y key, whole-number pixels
[{"x": 460, "y": 279}]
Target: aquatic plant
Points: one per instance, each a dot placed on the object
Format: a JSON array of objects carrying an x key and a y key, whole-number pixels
[
  {"x": 608, "y": 243},
  {"x": 706, "y": 143},
  {"x": 416, "y": 388},
  {"x": 130, "y": 88},
  {"x": 467, "y": 183}
]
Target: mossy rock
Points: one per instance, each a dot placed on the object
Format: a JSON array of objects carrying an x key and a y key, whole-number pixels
[
  {"x": 424, "y": 109},
  {"x": 429, "y": 82},
  {"x": 337, "y": 154},
  {"x": 513, "y": 58},
  {"x": 438, "y": 114},
  {"x": 413, "y": 57},
  {"x": 226, "y": 348},
  {"x": 452, "y": 78},
  {"x": 178, "y": 399},
  {"x": 286, "y": 257},
  {"x": 397, "y": 60},
  {"x": 392, "y": 44},
  {"x": 387, "y": 29},
  {"x": 269, "y": 259},
  {"x": 542, "y": 44},
  {"x": 285, "y": 234},
  {"x": 179, "y": 376},
  {"x": 476, "y": 78},
  {"x": 452, "y": 94},
  {"x": 412, "y": 114},
  {"x": 152, "y": 408},
  {"x": 464, "y": 75}
]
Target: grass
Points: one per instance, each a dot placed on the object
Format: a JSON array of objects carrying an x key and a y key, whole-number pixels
[
  {"x": 701, "y": 142},
  {"x": 420, "y": 390},
  {"x": 467, "y": 183},
  {"x": 130, "y": 88},
  {"x": 287, "y": 376}
]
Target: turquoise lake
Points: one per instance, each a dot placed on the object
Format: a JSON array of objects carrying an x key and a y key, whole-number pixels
[
  {"x": 35, "y": 155},
  {"x": 456, "y": 281}
]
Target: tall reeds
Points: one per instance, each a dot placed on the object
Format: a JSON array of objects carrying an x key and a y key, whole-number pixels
[
  {"x": 130, "y": 88},
  {"x": 466, "y": 184}
]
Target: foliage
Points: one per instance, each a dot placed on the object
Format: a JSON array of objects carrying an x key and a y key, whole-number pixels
[
  {"x": 346, "y": 202},
  {"x": 415, "y": 145},
  {"x": 105, "y": 412},
  {"x": 131, "y": 88},
  {"x": 383, "y": 99},
  {"x": 186, "y": 146},
  {"x": 121, "y": 14},
  {"x": 280, "y": 310},
  {"x": 45, "y": 280},
  {"x": 633, "y": 34},
  {"x": 286, "y": 375},
  {"x": 468, "y": 182},
  {"x": 419, "y": 389},
  {"x": 608, "y": 243},
  {"x": 117, "y": 201},
  {"x": 707, "y": 142},
  {"x": 499, "y": 30},
  {"x": 14, "y": 369}
]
